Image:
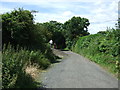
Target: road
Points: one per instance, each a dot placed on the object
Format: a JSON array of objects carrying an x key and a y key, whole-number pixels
[{"x": 75, "y": 71}]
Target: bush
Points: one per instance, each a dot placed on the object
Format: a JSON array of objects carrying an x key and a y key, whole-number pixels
[
  {"x": 102, "y": 48},
  {"x": 18, "y": 28},
  {"x": 15, "y": 62}
]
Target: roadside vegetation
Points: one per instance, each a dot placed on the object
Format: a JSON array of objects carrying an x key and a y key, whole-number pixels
[
  {"x": 23, "y": 45},
  {"x": 15, "y": 63},
  {"x": 102, "y": 48},
  {"x": 26, "y": 48}
]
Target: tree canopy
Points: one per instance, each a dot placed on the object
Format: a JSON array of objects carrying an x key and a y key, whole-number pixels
[
  {"x": 75, "y": 27},
  {"x": 56, "y": 30},
  {"x": 19, "y": 28}
]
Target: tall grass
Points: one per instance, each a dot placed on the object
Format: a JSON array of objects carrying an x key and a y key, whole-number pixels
[{"x": 15, "y": 62}]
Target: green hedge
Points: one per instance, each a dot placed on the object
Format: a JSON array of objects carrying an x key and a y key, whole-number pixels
[{"x": 102, "y": 48}]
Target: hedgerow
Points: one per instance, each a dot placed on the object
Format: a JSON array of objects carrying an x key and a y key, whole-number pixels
[{"x": 102, "y": 48}]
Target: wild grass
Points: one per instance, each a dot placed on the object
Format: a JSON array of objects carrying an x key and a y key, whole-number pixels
[{"x": 16, "y": 70}]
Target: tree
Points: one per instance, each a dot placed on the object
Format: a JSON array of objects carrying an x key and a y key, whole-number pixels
[
  {"x": 17, "y": 27},
  {"x": 43, "y": 30},
  {"x": 56, "y": 30},
  {"x": 74, "y": 28}
]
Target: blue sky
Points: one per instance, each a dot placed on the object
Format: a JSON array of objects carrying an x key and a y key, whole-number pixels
[{"x": 101, "y": 13}]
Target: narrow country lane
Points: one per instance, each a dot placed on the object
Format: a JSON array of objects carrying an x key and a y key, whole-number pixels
[{"x": 75, "y": 71}]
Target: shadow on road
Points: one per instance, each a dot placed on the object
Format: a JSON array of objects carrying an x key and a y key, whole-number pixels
[
  {"x": 57, "y": 61},
  {"x": 64, "y": 50}
]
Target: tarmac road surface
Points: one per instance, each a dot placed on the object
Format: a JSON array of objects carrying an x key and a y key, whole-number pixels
[{"x": 75, "y": 71}]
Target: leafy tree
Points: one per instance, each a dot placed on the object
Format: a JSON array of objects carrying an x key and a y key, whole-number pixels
[
  {"x": 59, "y": 39},
  {"x": 74, "y": 28},
  {"x": 17, "y": 27},
  {"x": 56, "y": 29},
  {"x": 43, "y": 30}
]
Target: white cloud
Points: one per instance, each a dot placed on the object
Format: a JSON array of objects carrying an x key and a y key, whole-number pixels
[
  {"x": 98, "y": 1},
  {"x": 46, "y": 17},
  {"x": 4, "y": 9},
  {"x": 102, "y": 14},
  {"x": 67, "y": 13},
  {"x": 99, "y": 27}
]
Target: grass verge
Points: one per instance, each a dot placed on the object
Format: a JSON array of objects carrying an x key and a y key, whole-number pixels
[{"x": 102, "y": 48}]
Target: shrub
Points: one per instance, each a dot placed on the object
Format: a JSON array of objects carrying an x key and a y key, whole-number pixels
[
  {"x": 15, "y": 62},
  {"x": 102, "y": 48}
]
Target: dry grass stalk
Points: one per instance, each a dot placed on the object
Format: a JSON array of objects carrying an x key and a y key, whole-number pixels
[{"x": 32, "y": 70}]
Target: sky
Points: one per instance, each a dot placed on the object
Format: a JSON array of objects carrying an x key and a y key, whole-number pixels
[{"x": 101, "y": 13}]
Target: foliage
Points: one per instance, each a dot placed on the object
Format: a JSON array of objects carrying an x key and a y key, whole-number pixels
[
  {"x": 64, "y": 34},
  {"x": 17, "y": 27},
  {"x": 23, "y": 42},
  {"x": 102, "y": 48},
  {"x": 57, "y": 33},
  {"x": 44, "y": 31},
  {"x": 74, "y": 28},
  {"x": 15, "y": 62}
]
